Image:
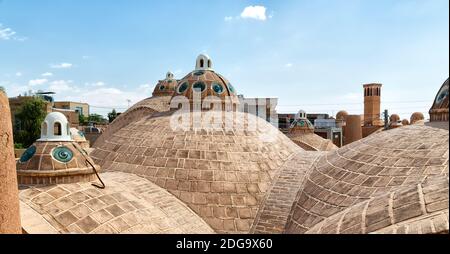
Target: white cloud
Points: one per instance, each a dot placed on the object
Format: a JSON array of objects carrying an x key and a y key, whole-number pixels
[
  {"x": 47, "y": 74},
  {"x": 63, "y": 86},
  {"x": 101, "y": 96},
  {"x": 19, "y": 74},
  {"x": 96, "y": 84},
  {"x": 257, "y": 12},
  {"x": 61, "y": 66},
  {"x": 37, "y": 82},
  {"x": 6, "y": 33},
  {"x": 289, "y": 65},
  {"x": 228, "y": 18}
]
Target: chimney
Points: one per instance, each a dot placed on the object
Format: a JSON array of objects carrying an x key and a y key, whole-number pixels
[
  {"x": 353, "y": 130},
  {"x": 372, "y": 104}
]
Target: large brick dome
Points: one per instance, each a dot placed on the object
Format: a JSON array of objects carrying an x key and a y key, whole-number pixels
[
  {"x": 222, "y": 175},
  {"x": 389, "y": 165}
]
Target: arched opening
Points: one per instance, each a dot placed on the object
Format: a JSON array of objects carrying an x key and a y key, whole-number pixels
[
  {"x": 68, "y": 130},
  {"x": 57, "y": 129},
  {"x": 209, "y": 63},
  {"x": 202, "y": 63}
]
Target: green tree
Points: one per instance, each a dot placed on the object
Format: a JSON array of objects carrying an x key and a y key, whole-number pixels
[
  {"x": 112, "y": 115},
  {"x": 96, "y": 118},
  {"x": 2, "y": 89},
  {"x": 81, "y": 119},
  {"x": 31, "y": 115}
]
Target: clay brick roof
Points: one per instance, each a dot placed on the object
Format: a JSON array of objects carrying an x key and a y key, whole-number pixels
[
  {"x": 312, "y": 142},
  {"x": 143, "y": 108},
  {"x": 439, "y": 110},
  {"x": 43, "y": 168},
  {"x": 416, "y": 209},
  {"x": 376, "y": 166},
  {"x": 221, "y": 175},
  {"x": 165, "y": 88},
  {"x": 129, "y": 204}
]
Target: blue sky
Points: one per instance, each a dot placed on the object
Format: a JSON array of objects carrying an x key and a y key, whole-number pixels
[{"x": 312, "y": 55}]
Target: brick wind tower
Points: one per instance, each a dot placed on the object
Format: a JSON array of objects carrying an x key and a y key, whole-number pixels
[{"x": 372, "y": 104}]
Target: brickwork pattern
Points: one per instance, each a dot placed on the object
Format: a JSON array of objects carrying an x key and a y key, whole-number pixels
[
  {"x": 129, "y": 204},
  {"x": 312, "y": 142},
  {"x": 221, "y": 175},
  {"x": 141, "y": 109},
  {"x": 274, "y": 212},
  {"x": 416, "y": 209},
  {"x": 43, "y": 169},
  {"x": 439, "y": 111},
  {"x": 370, "y": 167}
]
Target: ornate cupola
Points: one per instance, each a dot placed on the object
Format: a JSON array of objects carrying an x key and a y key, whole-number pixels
[
  {"x": 55, "y": 128},
  {"x": 204, "y": 89},
  {"x": 166, "y": 87},
  {"x": 203, "y": 62},
  {"x": 301, "y": 124},
  {"x": 439, "y": 111},
  {"x": 55, "y": 158}
]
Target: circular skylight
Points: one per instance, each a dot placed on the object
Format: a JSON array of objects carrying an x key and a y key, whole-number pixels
[
  {"x": 199, "y": 87},
  {"x": 182, "y": 88},
  {"x": 62, "y": 154},
  {"x": 218, "y": 88}
]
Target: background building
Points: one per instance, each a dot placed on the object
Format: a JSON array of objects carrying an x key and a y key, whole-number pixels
[
  {"x": 70, "y": 109},
  {"x": 262, "y": 107},
  {"x": 81, "y": 108}
]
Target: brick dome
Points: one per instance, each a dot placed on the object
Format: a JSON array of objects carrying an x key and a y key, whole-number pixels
[
  {"x": 340, "y": 116},
  {"x": 439, "y": 111},
  {"x": 207, "y": 83},
  {"x": 416, "y": 117},
  {"x": 166, "y": 87},
  {"x": 128, "y": 205},
  {"x": 385, "y": 165},
  {"x": 222, "y": 175},
  {"x": 394, "y": 118}
]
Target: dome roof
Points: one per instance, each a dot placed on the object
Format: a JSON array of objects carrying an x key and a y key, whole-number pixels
[
  {"x": 301, "y": 124},
  {"x": 439, "y": 110},
  {"x": 129, "y": 204},
  {"x": 166, "y": 87},
  {"x": 47, "y": 162},
  {"x": 341, "y": 115},
  {"x": 378, "y": 215},
  {"x": 375, "y": 166},
  {"x": 311, "y": 141},
  {"x": 222, "y": 175},
  {"x": 405, "y": 122},
  {"x": 55, "y": 128},
  {"x": 394, "y": 118},
  {"x": 416, "y": 117},
  {"x": 144, "y": 108},
  {"x": 206, "y": 83}
]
